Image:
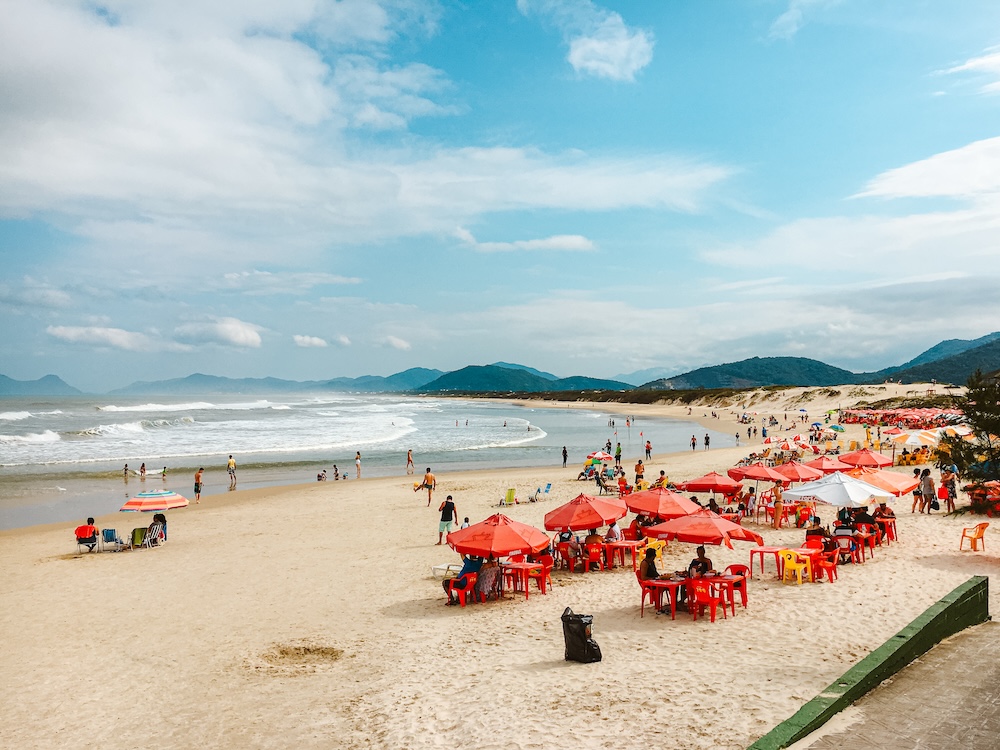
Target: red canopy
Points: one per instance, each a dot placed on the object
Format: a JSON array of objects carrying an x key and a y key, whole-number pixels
[
  {"x": 828, "y": 465},
  {"x": 866, "y": 457},
  {"x": 660, "y": 503},
  {"x": 796, "y": 472},
  {"x": 499, "y": 536},
  {"x": 703, "y": 527},
  {"x": 585, "y": 512},
  {"x": 712, "y": 482},
  {"x": 756, "y": 471}
]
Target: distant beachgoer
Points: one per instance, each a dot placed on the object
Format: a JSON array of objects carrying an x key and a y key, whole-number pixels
[
  {"x": 197, "y": 484},
  {"x": 409, "y": 462},
  {"x": 618, "y": 454},
  {"x": 449, "y": 514},
  {"x": 164, "y": 474},
  {"x": 640, "y": 471},
  {"x": 142, "y": 471},
  {"x": 357, "y": 463},
  {"x": 321, "y": 477},
  {"x": 125, "y": 472},
  {"x": 465, "y": 523},
  {"x": 649, "y": 450},
  {"x": 565, "y": 455},
  {"x": 429, "y": 484},
  {"x": 231, "y": 468},
  {"x": 694, "y": 442},
  {"x": 706, "y": 441}
]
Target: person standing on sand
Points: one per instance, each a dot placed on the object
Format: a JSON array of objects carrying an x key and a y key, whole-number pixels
[
  {"x": 706, "y": 441},
  {"x": 357, "y": 463},
  {"x": 409, "y": 462},
  {"x": 429, "y": 484},
  {"x": 231, "y": 468},
  {"x": 618, "y": 454},
  {"x": 197, "y": 484},
  {"x": 449, "y": 514},
  {"x": 649, "y": 450},
  {"x": 565, "y": 456},
  {"x": 694, "y": 442}
]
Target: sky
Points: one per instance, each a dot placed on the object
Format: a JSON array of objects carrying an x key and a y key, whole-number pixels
[{"x": 309, "y": 189}]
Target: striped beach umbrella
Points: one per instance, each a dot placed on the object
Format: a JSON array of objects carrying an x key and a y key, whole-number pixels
[{"x": 155, "y": 501}]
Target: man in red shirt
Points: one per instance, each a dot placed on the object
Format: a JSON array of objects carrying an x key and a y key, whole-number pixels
[{"x": 87, "y": 534}]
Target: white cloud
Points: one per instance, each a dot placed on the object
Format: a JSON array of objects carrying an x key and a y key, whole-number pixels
[
  {"x": 987, "y": 65},
  {"x": 397, "y": 343},
  {"x": 600, "y": 43},
  {"x": 570, "y": 242},
  {"x": 266, "y": 282},
  {"x": 967, "y": 172},
  {"x": 788, "y": 23},
  {"x": 224, "y": 331},
  {"x": 115, "y": 338},
  {"x": 342, "y": 340},
  {"x": 307, "y": 342},
  {"x": 29, "y": 295}
]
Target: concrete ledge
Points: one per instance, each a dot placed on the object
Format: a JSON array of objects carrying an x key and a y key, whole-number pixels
[{"x": 967, "y": 605}]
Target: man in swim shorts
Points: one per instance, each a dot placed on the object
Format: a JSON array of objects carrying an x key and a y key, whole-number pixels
[
  {"x": 231, "y": 468},
  {"x": 197, "y": 484}
]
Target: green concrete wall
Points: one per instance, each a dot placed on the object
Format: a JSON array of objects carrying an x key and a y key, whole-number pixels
[{"x": 967, "y": 605}]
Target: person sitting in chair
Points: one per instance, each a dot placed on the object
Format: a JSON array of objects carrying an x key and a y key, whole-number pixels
[
  {"x": 701, "y": 564},
  {"x": 470, "y": 564},
  {"x": 614, "y": 533},
  {"x": 87, "y": 534},
  {"x": 647, "y": 568}
]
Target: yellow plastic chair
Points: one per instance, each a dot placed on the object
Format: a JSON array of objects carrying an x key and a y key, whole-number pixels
[
  {"x": 510, "y": 498},
  {"x": 659, "y": 545},
  {"x": 794, "y": 565},
  {"x": 975, "y": 538}
]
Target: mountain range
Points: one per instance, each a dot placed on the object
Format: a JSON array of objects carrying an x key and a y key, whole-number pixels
[{"x": 951, "y": 361}]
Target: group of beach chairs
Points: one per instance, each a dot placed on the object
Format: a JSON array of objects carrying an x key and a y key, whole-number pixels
[
  {"x": 510, "y": 497},
  {"x": 109, "y": 541}
]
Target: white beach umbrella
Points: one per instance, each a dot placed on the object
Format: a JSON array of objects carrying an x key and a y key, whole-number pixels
[{"x": 841, "y": 490}]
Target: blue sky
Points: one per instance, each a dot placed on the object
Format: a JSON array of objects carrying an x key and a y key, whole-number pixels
[{"x": 311, "y": 189}]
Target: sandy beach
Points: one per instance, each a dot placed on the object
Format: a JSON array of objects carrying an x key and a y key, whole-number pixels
[{"x": 307, "y": 616}]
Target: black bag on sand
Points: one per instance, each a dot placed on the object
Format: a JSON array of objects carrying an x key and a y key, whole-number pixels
[{"x": 576, "y": 632}]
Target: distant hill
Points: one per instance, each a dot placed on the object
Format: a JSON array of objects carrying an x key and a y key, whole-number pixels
[
  {"x": 532, "y": 370},
  {"x": 756, "y": 372},
  {"x": 939, "y": 351},
  {"x": 956, "y": 368},
  {"x": 50, "y": 385},
  {"x": 202, "y": 384},
  {"x": 644, "y": 376},
  {"x": 493, "y": 379}
]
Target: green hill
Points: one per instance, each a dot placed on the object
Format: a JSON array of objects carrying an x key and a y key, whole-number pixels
[
  {"x": 493, "y": 379},
  {"x": 50, "y": 385},
  {"x": 939, "y": 351},
  {"x": 956, "y": 368},
  {"x": 756, "y": 372}
]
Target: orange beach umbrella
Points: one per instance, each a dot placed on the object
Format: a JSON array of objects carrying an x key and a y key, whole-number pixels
[
  {"x": 703, "y": 527},
  {"x": 661, "y": 503},
  {"x": 585, "y": 512},
  {"x": 499, "y": 536}
]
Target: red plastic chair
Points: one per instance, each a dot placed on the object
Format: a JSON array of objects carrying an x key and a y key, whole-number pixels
[
  {"x": 541, "y": 575},
  {"x": 468, "y": 591},
  {"x": 848, "y": 549},
  {"x": 629, "y": 534},
  {"x": 871, "y": 535},
  {"x": 827, "y": 564},
  {"x": 595, "y": 554},
  {"x": 813, "y": 542},
  {"x": 741, "y": 586},
  {"x": 654, "y": 594},
  {"x": 700, "y": 595},
  {"x": 565, "y": 560}
]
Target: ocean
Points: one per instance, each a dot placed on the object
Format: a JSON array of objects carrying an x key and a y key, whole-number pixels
[{"x": 62, "y": 459}]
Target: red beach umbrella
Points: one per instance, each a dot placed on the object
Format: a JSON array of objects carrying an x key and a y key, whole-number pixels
[
  {"x": 866, "y": 457},
  {"x": 585, "y": 512},
  {"x": 757, "y": 471},
  {"x": 828, "y": 465},
  {"x": 155, "y": 501},
  {"x": 793, "y": 471},
  {"x": 703, "y": 527},
  {"x": 499, "y": 536},
  {"x": 712, "y": 482},
  {"x": 890, "y": 481},
  {"x": 661, "y": 503}
]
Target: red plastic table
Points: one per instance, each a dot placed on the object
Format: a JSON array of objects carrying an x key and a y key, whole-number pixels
[
  {"x": 670, "y": 586},
  {"x": 521, "y": 570},
  {"x": 776, "y": 551},
  {"x": 611, "y": 549}
]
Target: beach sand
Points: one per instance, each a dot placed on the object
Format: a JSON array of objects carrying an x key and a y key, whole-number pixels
[{"x": 308, "y": 617}]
